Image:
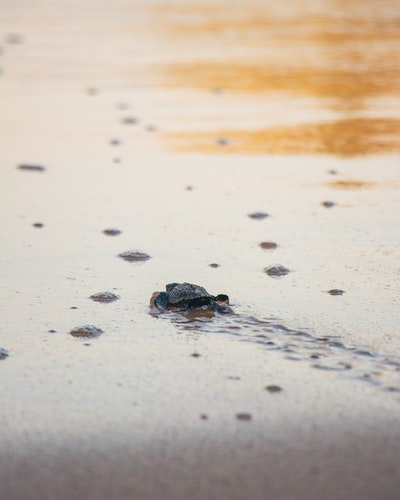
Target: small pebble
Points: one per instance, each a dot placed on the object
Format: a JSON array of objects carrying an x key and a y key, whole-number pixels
[
  {"x": 86, "y": 331},
  {"x": 30, "y": 167},
  {"x": 115, "y": 142},
  {"x": 104, "y": 297},
  {"x": 273, "y": 388},
  {"x": 129, "y": 120},
  {"x": 214, "y": 265},
  {"x": 223, "y": 141},
  {"x": 328, "y": 204},
  {"x": 52, "y": 331},
  {"x": 112, "y": 231},
  {"x": 134, "y": 256},
  {"x": 38, "y": 224},
  {"x": 258, "y": 215},
  {"x": 14, "y": 38},
  {"x": 244, "y": 416},
  {"x": 277, "y": 271},
  {"x": 336, "y": 291},
  {"x": 203, "y": 416},
  {"x": 3, "y": 353},
  {"x": 195, "y": 355},
  {"x": 268, "y": 245},
  {"x": 122, "y": 106}
]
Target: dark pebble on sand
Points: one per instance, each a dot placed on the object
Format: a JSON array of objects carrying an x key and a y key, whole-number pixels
[
  {"x": 244, "y": 416},
  {"x": 86, "y": 331},
  {"x": 195, "y": 355},
  {"x": 38, "y": 224},
  {"x": 222, "y": 141},
  {"x": 276, "y": 271},
  {"x": 268, "y": 245},
  {"x": 14, "y": 38},
  {"x": 129, "y": 120},
  {"x": 214, "y": 265},
  {"x": 52, "y": 331},
  {"x": 30, "y": 167},
  {"x": 273, "y": 388},
  {"x": 336, "y": 291},
  {"x": 203, "y": 416},
  {"x": 73, "y": 307},
  {"x": 112, "y": 231},
  {"x": 115, "y": 142},
  {"x": 3, "y": 353},
  {"x": 122, "y": 106},
  {"x": 134, "y": 256},
  {"x": 104, "y": 297},
  {"x": 258, "y": 215},
  {"x": 328, "y": 204}
]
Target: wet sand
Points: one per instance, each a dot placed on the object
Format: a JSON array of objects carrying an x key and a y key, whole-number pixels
[{"x": 139, "y": 138}]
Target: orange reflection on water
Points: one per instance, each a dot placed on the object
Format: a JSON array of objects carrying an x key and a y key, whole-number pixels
[
  {"x": 345, "y": 54},
  {"x": 346, "y": 137},
  {"x": 339, "y": 28},
  {"x": 351, "y": 184},
  {"x": 315, "y": 81}
]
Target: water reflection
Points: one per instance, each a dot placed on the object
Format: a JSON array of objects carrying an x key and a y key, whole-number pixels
[
  {"x": 342, "y": 55},
  {"x": 346, "y": 138}
]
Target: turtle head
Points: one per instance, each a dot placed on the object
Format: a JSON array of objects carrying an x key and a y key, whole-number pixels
[{"x": 222, "y": 298}]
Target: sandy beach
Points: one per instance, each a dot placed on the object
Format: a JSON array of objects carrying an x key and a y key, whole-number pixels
[{"x": 222, "y": 141}]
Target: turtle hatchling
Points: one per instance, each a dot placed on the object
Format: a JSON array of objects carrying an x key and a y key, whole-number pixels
[{"x": 189, "y": 297}]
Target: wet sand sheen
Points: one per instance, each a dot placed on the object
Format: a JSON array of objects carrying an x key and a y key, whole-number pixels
[
  {"x": 351, "y": 137},
  {"x": 348, "y": 61},
  {"x": 335, "y": 83}
]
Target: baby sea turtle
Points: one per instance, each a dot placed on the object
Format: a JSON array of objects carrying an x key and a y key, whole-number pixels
[{"x": 189, "y": 297}]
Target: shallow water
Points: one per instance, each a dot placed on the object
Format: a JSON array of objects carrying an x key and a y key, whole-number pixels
[{"x": 154, "y": 142}]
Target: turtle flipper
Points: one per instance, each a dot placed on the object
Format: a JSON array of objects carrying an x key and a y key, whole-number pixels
[{"x": 161, "y": 301}]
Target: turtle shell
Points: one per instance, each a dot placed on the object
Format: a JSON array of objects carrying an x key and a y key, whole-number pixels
[{"x": 186, "y": 292}]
